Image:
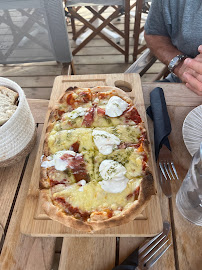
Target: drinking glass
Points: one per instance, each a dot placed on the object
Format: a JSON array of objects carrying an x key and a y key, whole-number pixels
[{"x": 189, "y": 196}]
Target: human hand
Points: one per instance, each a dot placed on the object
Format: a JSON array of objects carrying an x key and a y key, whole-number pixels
[
  {"x": 181, "y": 69},
  {"x": 193, "y": 77}
]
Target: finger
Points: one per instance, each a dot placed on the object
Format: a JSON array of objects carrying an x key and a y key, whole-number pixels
[
  {"x": 200, "y": 48},
  {"x": 198, "y": 58},
  {"x": 199, "y": 93},
  {"x": 193, "y": 64},
  {"x": 193, "y": 83},
  {"x": 189, "y": 75},
  {"x": 194, "y": 74}
]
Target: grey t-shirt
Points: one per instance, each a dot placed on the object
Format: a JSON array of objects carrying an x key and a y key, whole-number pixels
[{"x": 181, "y": 20}]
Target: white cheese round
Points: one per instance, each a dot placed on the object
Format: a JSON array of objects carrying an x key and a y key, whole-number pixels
[
  {"x": 111, "y": 169},
  {"x": 56, "y": 161},
  {"x": 105, "y": 141},
  {"x": 112, "y": 173},
  {"x": 113, "y": 186},
  {"x": 81, "y": 183},
  {"x": 115, "y": 106},
  {"x": 76, "y": 113}
]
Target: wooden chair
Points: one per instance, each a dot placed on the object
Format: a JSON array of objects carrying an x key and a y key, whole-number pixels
[
  {"x": 147, "y": 59},
  {"x": 142, "y": 6},
  {"x": 120, "y": 7},
  {"x": 143, "y": 63}
]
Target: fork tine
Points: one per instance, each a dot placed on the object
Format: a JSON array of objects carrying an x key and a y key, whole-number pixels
[
  {"x": 151, "y": 254},
  {"x": 165, "y": 231},
  {"x": 146, "y": 252},
  {"x": 150, "y": 264},
  {"x": 173, "y": 166},
  {"x": 149, "y": 243},
  {"x": 162, "y": 170},
  {"x": 167, "y": 170},
  {"x": 169, "y": 167}
]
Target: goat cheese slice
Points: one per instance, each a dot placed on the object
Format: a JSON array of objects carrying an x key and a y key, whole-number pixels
[
  {"x": 105, "y": 141},
  {"x": 76, "y": 113},
  {"x": 113, "y": 174},
  {"x": 115, "y": 106},
  {"x": 57, "y": 161}
]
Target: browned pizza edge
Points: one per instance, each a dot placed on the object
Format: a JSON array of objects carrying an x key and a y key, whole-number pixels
[
  {"x": 147, "y": 189},
  {"x": 116, "y": 90}
]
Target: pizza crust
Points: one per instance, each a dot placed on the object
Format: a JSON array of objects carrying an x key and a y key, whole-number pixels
[{"x": 147, "y": 188}]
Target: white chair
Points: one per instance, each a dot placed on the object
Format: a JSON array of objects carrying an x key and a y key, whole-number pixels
[
  {"x": 98, "y": 23},
  {"x": 33, "y": 30}
]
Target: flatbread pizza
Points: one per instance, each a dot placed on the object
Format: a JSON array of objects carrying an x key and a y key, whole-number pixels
[{"x": 94, "y": 167}]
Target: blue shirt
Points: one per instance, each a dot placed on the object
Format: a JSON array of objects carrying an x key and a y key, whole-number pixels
[{"x": 181, "y": 20}]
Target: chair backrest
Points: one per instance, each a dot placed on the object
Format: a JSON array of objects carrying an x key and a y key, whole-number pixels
[
  {"x": 33, "y": 31},
  {"x": 70, "y": 3}
]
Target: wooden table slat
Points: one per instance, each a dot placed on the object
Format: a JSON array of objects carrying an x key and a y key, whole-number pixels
[
  {"x": 88, "y": 253},
  {"x": 39, "y": 109},
  {"x": 20, "y": 251},
  {"x": 128, "y": 245},
  {"x": 10, "y": 178},
  {"x": 188, "y": 236}
]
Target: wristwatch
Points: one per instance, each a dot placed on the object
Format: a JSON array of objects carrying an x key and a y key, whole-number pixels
[{"x": 175, "y": 61}]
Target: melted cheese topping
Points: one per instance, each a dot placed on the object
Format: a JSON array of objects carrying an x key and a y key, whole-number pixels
[
  {"x": 106, "y": 121},
  {"x": 64, "y": 139},
  {"x": 127, "y": 134},
  {"x": 130, "y": 158},
  {"x": 105, "y": 141},
  {"x": 134, "y": 166},
  {"x": 94, "y": 198},
  {"x": 115, "y": 106},
  {"x": 80, "y": 111},
  {"x": 106, "y": 189}
]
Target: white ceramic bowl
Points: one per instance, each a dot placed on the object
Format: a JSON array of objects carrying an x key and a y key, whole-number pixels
[{"x": 18, "y": 132}]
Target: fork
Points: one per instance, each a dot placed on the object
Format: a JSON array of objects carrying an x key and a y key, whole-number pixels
[
  {"x": 167, "y": 170},
  {"x": 166, "y": 164},
  {"x": 146, "y": 253},
  {"x": 144, "y": 256}
]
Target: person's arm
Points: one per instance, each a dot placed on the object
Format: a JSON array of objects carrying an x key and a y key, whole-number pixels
[
  {"x": 194, "y": 79},
  {"x": 165, "y": 51},
  {"x": 162, "y": 48}
]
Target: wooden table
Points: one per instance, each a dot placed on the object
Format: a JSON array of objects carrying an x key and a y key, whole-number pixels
[{"x": 27, "y": 253}]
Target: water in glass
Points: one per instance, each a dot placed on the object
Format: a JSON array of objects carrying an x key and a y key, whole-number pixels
[{"x": 189, "y": 196}]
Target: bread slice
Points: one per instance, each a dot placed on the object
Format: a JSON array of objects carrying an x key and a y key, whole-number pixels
[
  {"x": 8, "y": 99},
  {"x": 6, "y": 112},
  {"x": 10, "y": 94}
]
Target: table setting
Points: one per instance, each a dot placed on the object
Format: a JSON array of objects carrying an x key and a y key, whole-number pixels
[
  {"x": 174, "y": 250},
  {"x": 188, "y": 199}
]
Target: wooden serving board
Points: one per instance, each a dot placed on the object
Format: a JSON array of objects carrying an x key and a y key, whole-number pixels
[{"x": 36, "y": 223}]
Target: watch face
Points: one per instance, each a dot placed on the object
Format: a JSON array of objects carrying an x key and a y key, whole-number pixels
[{"x": 174, "y": 62}]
